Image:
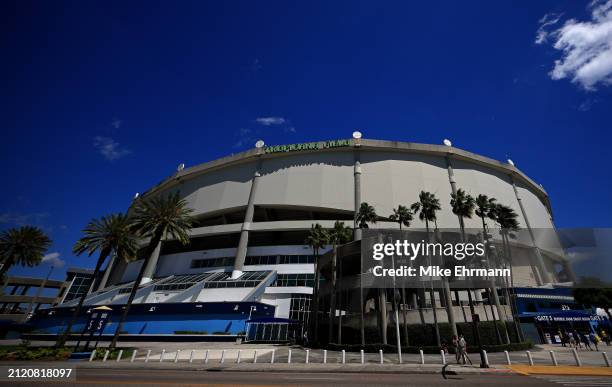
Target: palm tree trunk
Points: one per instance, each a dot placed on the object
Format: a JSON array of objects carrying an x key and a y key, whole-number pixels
[
  {"x": 62, "y": 340},
  {"x": 332, "y": 300},
  {"x": 152, "y": 245},
  {"x": 315, "y": 316},
  {"x": 340, "y": 304},
  {"x": 7, "y": 265},
  {"x": 511, "y": 299},
  {"x": 406, "y": 341},
  {"x": 432, "y": 294}
]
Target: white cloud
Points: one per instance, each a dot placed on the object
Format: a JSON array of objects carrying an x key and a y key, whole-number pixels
[
  {"x": 586, "y": 47},
  {"x": 267, "y": 121},
  {"x": 109, "y": 148},
  {"x": 545, "y": 22},
  {"x": 53, "y": 259}
]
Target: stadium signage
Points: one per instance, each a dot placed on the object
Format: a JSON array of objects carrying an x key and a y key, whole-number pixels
[{"x": 307, "y": 146}]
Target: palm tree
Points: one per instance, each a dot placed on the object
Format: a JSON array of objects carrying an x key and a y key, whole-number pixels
[
  {"x": 401, "y": 215},
  {"x": 507, "y": 219},
  {"x": 338, "y": 235},
  {"x": 106, "y": 235},
  {"x": 365, "y": 215},
  {"x": 426, "y": 207},
  {"x": 463, "y": 206},
  {"x": 317, "y": 238},
  {"x": 485, "y": 208},
  {"x": 156, "y": 218},
  {"x": 25, "y": 246}
]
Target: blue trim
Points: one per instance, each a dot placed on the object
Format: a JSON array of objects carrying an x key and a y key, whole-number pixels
[{"x": 143, "y": 319}]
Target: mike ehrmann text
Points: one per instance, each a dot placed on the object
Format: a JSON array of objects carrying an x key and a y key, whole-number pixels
[{"x": 437, "y": 271}]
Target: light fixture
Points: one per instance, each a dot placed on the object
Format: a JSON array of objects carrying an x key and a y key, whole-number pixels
[
  {"x": 447, "y": 142},
  {"x": 511, "y": 162},
  {"x": 356, "y": 135},
  {"x": 180, "y": 167},
  {"x": 259, "y": 144},
  {"x": 136, "y": 195}
]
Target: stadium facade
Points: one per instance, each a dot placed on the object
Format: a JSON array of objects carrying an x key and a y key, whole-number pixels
[{"x": 248, "y": 263}]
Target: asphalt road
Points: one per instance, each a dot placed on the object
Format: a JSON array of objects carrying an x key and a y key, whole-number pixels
[{"x": 98, "y": 377}]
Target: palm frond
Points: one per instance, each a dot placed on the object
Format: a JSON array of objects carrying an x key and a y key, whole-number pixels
[
  {"x": 167, "y": 216},
  {"x": 25, "y": 245}
]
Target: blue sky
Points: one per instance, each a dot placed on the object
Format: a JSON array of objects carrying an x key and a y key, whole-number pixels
[{"x": 104, "y": 99}]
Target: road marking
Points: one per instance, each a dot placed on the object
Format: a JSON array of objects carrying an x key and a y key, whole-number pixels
[
  {"x": 153, "y": 382},
  {"x": 310, "y": 378},
  {"x": 582, "y": 381},
  {"x": 560, "y": 370}
]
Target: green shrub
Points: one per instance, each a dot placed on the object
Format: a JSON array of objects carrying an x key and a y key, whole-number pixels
[
  {"x": 127, "y": 353},
  {"x": 26, "y": 352}
]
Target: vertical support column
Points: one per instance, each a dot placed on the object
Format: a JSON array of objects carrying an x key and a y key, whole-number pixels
[
  {"x": 539, "y": 259},
  {"x": 246, "y": 225},
  {"x": 450, "y": 312},
  {"x": 357, "y": 192},
  {"x": 107, "y": 272},
  {"x": 357, "y": 237}
]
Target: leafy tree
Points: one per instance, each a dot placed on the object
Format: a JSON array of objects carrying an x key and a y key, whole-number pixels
[
  {"x": 105, "y": 235},
  {"x": 402, "y": 215},
  {"x": 156, "y": 218},
  {"x": 25, "y": 246}
]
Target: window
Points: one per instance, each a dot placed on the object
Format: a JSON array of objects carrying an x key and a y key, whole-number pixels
[
  {"x": 212, "y": 262},
  {"x": 80, "y": 285},
  {"x": 300, "y": 308},
  {"x": 278, "y": 259},
  {"x": 262, "y": 260},
  {"x": 181, "y": 282},
  {"x": 249, "y": 279},
  {"x": 294, "y": 280}
]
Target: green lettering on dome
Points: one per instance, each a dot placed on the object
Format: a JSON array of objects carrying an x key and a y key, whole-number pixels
[{"x": 307, "y": 146}]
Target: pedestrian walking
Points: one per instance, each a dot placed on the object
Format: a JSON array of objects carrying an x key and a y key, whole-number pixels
[
  {"x": 463, "y": 350},
  {"x": 456, "y": 348},
  {"x": 563, "y": 337},
  {"x": 585, "y": 340}
]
